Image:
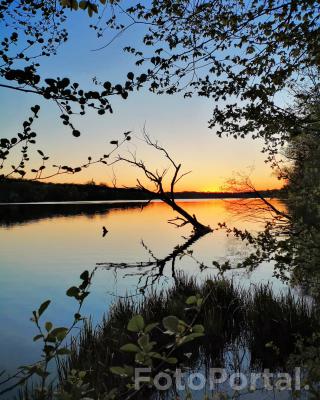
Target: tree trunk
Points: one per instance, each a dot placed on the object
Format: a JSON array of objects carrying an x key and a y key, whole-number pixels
[{"x": 198, "y": 227}]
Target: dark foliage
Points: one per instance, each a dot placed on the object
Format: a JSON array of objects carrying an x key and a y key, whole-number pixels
[
  {"x": 12, "y": 190},
  {"x": 235, "y": 319}
]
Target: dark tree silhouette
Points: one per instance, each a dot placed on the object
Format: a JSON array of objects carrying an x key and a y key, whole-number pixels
[
  {"x": 238, "y": 53},
  {"x": 220, "y": 49}
]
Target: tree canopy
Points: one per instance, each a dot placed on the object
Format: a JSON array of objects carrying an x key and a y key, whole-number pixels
[
  {"x": 243, "y": 55},
  {"x": 238, "y": 53}
]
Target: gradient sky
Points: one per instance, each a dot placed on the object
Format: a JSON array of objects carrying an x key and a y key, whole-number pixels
[{"x": 178, "y": 124}]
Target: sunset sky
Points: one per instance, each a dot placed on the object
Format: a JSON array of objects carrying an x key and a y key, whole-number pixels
[{"x": 178, "y": 124}]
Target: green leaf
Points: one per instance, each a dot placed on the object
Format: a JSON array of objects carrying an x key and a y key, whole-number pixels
[
  {"x": 48, "y": 326},
  {"x": 191, "y": 300},
  {"x": 85, "y": 276},
  {"x": 63, "y": 351},
  {"x": 37, "y": 337},
  {"x": 73, "y": 291},
  {"x": 74, "y": 5},
  {"x": 83, "y": 5},
  {"x": 199, "y": 302},
  {"x": 145, "y": 344},
  {"x": 43, "y": 307},
  {"x": 149, "y": 327},
  {"x": 144, "y": 359},
  {"x": 129, "y": 370},
  {"x": 171, "y": 323},
  {"x": 153, "y": 354},
  {"x": 82, "y": 374},
  {"x": 189, "y": 338},
  {"x": 171, "y": 360},
  {"x": 130, "y": 348},
  {"x": 51, "y": 339},
  {"x": 93, "y": 7},
  {"x": 198, "y": 328},
  {"x": 136, "y": 324},
  {"x": 59, "y": 333},
  {"x": 119, "y": 371}
]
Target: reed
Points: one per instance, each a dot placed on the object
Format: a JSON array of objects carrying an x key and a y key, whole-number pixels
[{"x": 255, "y": 320}]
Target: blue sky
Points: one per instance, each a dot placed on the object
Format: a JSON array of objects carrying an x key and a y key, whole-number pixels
[{"x": 179, "y": 124}]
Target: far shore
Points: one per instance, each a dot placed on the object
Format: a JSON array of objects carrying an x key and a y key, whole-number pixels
[{"x": 19, "y": 191}]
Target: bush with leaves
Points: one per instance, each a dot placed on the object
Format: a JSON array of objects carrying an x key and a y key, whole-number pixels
[
  {"x": 53, "y": 344},
  {"x": 156, "y": 356},
  {"x": 74, "y": 386}
]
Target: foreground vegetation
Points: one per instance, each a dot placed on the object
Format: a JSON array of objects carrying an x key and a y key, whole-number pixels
[
  {"x": 256, "y": 321},
  {"x": 192, "y": 326}
]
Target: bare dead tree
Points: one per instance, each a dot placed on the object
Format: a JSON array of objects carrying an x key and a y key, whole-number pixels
[
  {"x": 157, "y": 179},
  {"x": 257, "y": 208}
]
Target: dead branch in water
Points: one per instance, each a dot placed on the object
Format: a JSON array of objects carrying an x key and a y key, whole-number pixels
[{"x": 152, "y": 270}]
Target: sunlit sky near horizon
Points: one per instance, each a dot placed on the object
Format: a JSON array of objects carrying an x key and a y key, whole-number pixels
[{"x": 180, "y": 125}]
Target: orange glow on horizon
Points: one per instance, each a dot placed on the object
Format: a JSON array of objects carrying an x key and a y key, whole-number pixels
[{"x": 269, "y": 183}]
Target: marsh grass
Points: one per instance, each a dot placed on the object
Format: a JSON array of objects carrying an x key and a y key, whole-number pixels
[{"x": 255, "y": 320}]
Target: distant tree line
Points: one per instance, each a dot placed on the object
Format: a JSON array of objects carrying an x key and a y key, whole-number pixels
[{"x": 21, "y": 191}]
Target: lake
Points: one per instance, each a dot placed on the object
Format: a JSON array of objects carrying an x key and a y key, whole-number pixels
[{"x": 45, "y": 247}]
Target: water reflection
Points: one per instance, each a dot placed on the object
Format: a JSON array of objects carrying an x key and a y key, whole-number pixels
[
  {"x": 43, "y": 257},
  {"x": 12, "y": 214},
  {"x": 149, "y": 273},
  {"x": 245, "y": 331}
]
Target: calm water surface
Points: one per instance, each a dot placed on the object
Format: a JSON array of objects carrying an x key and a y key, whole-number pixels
[{"x": 44, "y": 248}]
